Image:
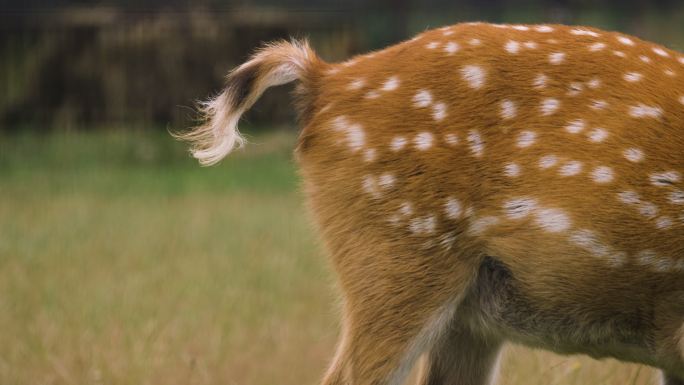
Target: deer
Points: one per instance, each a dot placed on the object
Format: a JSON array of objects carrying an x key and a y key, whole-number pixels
[{"x": 484, "y": 183}]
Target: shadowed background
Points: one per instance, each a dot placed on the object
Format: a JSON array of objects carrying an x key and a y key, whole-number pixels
[{"x": 123, "y": 262}]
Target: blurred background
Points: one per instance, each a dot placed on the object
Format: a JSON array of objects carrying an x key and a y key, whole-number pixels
[{"x": 123, "y": 262}]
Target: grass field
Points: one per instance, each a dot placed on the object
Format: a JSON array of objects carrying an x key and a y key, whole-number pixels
[{"x": 123, "y": 262}]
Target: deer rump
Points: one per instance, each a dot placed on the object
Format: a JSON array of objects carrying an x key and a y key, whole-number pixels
[{"x": 483, "y": 183}]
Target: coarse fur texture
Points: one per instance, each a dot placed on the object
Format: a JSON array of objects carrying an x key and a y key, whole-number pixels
[{"x": 485, "y": 183}]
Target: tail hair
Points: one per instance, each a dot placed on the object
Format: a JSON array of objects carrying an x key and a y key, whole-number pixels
[{"x": 274, "y": 64}]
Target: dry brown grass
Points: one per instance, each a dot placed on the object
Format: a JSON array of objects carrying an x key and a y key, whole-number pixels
[{"x": 148, "y": 270}]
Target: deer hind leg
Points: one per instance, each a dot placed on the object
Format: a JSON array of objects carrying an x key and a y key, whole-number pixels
[
  {"x": 391, "y": 317},
  {"x": 461, "y": 357}
]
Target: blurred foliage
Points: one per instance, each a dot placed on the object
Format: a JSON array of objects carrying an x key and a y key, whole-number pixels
[{"x": 73, "y": 64}]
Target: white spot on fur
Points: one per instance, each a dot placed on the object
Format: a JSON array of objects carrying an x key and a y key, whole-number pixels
[
  {"x": 422, "y": 98},
  {"x": 597, "y": 47},
  {"x": 556, "y": 58},
  {"x": 453, "y": 208},
  {"x": 645, "y": 58},
  {"x": 406, "y": 209},
  {"x": 355, "y": 136},
  {"x": 372, "y": 94},
  {"x": 386, "y": 180},
  {"x": 584, "y": 32},
  {"x": 512, "y": 170},
  {"x": 540, "y": 81},
  {"x": 391, "y": 84},
  {"x": 431, "y": 45},
  {"x": 594, "y": 83},
  {"x": 423, "y": 141},
  {"x": 602, "y": 174},
  {"x": 660, "y": 52},
  {"x": 475, "y": 42},
  {"x": 629, "y": 197},
  {"x": 676, "y": 197},
  {"x": 598, "y": 104},
  {"x": 474, "y": 75},
  {"x": 664, "y": 222},
  {"x": 519, "y": 208},
  {"x": 625, "y": 40},
  {"x": 633, "y": 155},
  {"x": 508, "y": 109},
  {"x": 530, "y": 45},
  {"x": 648, "y": 209},
  {"x": 423, "y": 225},
  {"x": 570, "y": 168},
  {"x": 512, "y": 46},
  {"x": 480, "y": 225},
  {"x": 597, "y": 135},
  {"x": 664, "y": 179},
  {"x": 587, "y": 240},
  {"x": 451, "y": 139},
  {"x": 476, "y": 144},
  {"x": 521, "y": 27},
  {"x": 439, "y": 111},
  {"x": 356, "y": 84},
  {"x": 547, "y": 161},
  {"x": 543, "y": 28},
  {"x": 651, "y": 259},
  {"x": 398, "y": 143},
  {"x": 370, "y": 186},
  {"x": 552, "y": 220},
  {"x": 575, "y": 89},
  {"x": 448, "y": 32},
  {"x": 619, "y": 53},
  {"x": 632, "y": 76},
  {"x": 549, "y": 106},
  {"x": 451, "y": 47},
  {"x": 369, "y": 155},
  {"x": 575, "y": 126},
  {"x": 526, "y": 139},
  {"x": 643, "y": 111},
  {"x": 669, "y": 72}
]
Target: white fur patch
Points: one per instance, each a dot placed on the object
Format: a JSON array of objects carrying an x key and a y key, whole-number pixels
[
  {"x": 645, "y": 58},
  {"x": 643, "y": 111},
  {"x": 676, "y": 197},
  {"x": 594, "y": 83},
  {"x": 526, "y": 139},
  {"x": 552, "y": 220},
  {"x": 480, "y": 225},
  {"x": 584, "y": 32},
  {"x": 619, "y": 53},
  {"x": 423, "y": 141},
  {"x": 664, "y": 222},
  {"x": 451, "y": 47},
  {"x": 398, "y": 143},
  {"x": 422, "y": 99},
  {"x": 474, "y": 75},
  {"x": 629, "y": 197},
  {"x": 543, "y": 28},
  {"x": 547, "y": 161},
  {"x": 556, "y": 58},
  {"x": 391, "y": 84},
  {"x": 549, "y": 106},
  {"x": 355, "y": 135},
  {"x": 512, "y": 170},
  {"x": 439, "y": 111},
  {"x": 570, "y": 168},
  {"x": 369, "y": 155},
  {"x": 508, "y": 109},
  {"x": 512, "y": 46},
  {"x": 356, "y": 84},
  {"x": 530, "y": 45},
  {"x": 451, "y": 139},
  {"x": 647, "y": 209},
  {"x": 431, "y": 45},
  {"x": 625, "y": 40},
  {"x": 423, "y": 225},
  {"x": 453, "y": 208},
  {"x": 587, "y": 240},
  {"x": 597, "y": 135},
  {"x": 633, "y": 155},
  {"x": 598, "y": 104},
  {"x": 386, "y": 180},
  {"x": 597, "y": 47},
  {"x": 540, "y": 81},
  {"x": 520, "y": 27},
  {"x": 664, "y": 179},
  {"x": 660, "y": 52},
  {"x": 632, "y": 76},
  {"x": 602, "y": 174},
  {"x": 476, "y": 143},
  {"x": 575, "y": 126}
]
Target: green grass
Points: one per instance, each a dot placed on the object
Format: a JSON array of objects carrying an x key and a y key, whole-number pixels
[{"x": 123, "y": 262}]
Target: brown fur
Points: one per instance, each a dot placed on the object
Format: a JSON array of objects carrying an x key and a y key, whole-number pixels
[{"x": 578, "y": 270}]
